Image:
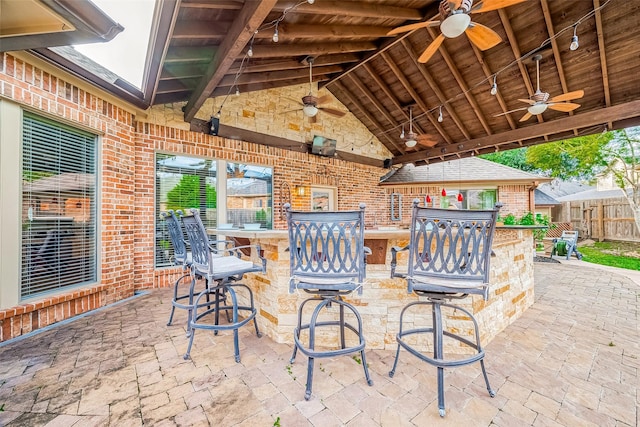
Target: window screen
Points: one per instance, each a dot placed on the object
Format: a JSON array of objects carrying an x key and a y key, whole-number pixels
[{"x": 58, "y": 206}]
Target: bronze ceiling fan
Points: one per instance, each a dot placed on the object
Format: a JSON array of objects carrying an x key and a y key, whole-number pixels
[
  {"x": 540, "y": 101},
  {"x": 411, "y": 139},
  {"x": 455, "y": 20},
  {"x": 310, "y": 104}
]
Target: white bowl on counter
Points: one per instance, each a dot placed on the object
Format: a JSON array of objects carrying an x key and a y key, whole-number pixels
[
  {"x": 225, "y": 226},
  {"x": 252, "y": 226}
]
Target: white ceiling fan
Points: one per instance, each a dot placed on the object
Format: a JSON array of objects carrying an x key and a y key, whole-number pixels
[{"x": 540, "y": 101}]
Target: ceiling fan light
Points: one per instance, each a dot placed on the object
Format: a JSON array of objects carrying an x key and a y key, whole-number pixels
[
  {"x": 455, "y": 25},
  {"x": 310, "y": 110},
  {"x": 536, "y": 109},
  {"x": 311, "y": 1},
  {"x": 411, "y": 142}
]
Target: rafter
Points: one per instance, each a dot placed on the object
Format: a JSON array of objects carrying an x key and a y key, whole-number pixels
[
  {"x": 603, "y": 56},
  {"x": 617, "y": 112},
  {"x": 390, "y": 95},
  {"x": 294, "y": 31},
  {"x": 226, "y": 90},
  {"x": 248, "y": 20},
  {"x": 463, "y": 85},
  {"x": 270, "y": 76},
  {"x": 352, "y": 8},
  {"x": 381, "y": 131},
  {"x": 275, "y": 50},
  {"x": 556, "y": 51},
  {"x": 292, "y": 64},
  {"x": 415, "y": 96},
  {"x": 372, "y": 99},
  {"x": 436, "y": 89}
]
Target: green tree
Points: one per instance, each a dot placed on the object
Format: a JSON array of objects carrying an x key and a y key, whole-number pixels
[
  {"x": 186, "y": 194},
  {"x": 513, "y": 158}
]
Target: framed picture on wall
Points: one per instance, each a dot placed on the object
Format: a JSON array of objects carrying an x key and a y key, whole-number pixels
[{"x": 323, "y": 198}]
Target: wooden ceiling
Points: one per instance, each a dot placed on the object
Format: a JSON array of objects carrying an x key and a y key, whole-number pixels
[{"x": 199, "y": 47}]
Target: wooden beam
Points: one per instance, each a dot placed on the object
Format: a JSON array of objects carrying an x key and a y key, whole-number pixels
[
  {"x": 372, "y": 99},
  {"x": 392, "y": 97},
  {"x": 230, "y": 80},
  {"x": 463, "y": 85},
  {"x": 218, "y": 4},
  {"x": 352, "y": 8},
  {"x": 293, "y": 64},
  {"x": 275, "y": 50},
  {"x": 556, "y": 51},
  {"x": 181, "y": 71},
  {"x": 199, "y": 29},
  {"x": 190, "y": 54},
  {"x": 372, "y": 119},
  {"x": 226, "y": 90},
  {"x": 247, "y": 21},
  {"x": 513, "y": 42},
  {"x": 592, "y": 118},
  {"x": 165, "y": 16},
  {"x": 603, "y": 56},
  {"x": 414, "y": 95},
  {"x": 435, "y": 88},
  {"x": 290, "y": 32}
]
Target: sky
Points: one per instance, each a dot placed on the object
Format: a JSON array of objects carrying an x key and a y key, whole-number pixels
[{"x": 124, "y": 55}]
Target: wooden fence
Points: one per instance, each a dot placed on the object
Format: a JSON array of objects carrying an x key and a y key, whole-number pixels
[{"x": 603, "y": 219}]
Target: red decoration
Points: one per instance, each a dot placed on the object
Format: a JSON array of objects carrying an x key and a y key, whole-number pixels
[
  {"x": 460, "y": 198},
  {"x": 444, "y": 192},
  {"x": 428, "y": 199}
]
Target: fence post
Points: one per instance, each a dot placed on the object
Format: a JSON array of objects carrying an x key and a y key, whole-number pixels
[{"x": 600, "y": 221}]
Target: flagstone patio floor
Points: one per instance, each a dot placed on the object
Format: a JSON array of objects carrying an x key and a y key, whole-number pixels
[{"x": 572, "y": 359}]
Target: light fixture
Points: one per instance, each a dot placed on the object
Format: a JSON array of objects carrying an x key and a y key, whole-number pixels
[
  {"x": 574, "y": 40},
  {"x": 411, "y": 137},
  {"x": 455, "y": 24},
  {"x": 310, "y": 110},
  {"x": 460, "y": 198},
  {"x": 311, "y": 1},
  {"x": 411, "y": 142},
  {"x": 494, "y": 86},
  {"x": 428, "y": 199},
  {"x": 218, "y": 114},
  {"x": 275, "y": 34},
  {"x": 250, "y": 51},
  {"x": 440, "y": 118},
  {"x": 538, "y": 108},
  {"x": 444, "y": 192},
  {"x": 300, "y": 190},
  {"x": 402, "y": 133},
  {"x": 237, "y": 91}
]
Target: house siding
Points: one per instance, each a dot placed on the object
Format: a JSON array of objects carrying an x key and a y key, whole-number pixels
[{"x": 127, "y": 188}]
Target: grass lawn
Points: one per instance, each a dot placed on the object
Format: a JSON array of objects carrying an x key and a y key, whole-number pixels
[{"x": 615, "y": 254}]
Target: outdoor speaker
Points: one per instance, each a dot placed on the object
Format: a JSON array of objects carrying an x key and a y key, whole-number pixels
[
  {"x": 387, "y": 163},
  {"x": 214, "y": 125}
]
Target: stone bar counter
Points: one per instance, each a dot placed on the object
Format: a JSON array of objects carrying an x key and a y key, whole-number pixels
[{"x": 382, "y": 299}]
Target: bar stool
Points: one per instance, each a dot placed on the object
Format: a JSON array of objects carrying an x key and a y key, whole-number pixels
[
  {"x": 449, "y": 253},
  {"x": 327, "y": 260},
  {"x": 222, "y": 269}
]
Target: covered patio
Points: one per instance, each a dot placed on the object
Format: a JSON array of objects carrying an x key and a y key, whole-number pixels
[{"x": 572, "y": 359}]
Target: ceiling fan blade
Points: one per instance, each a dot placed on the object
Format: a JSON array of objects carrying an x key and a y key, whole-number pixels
[
  {"x": 526, "y": 117},
  {"x": 487, "y": 5},
  {"x": 510, "y": 111},
  {"x": 324, "y": 99},
  {"x": 528, "y": 101},
  {"x": 429, "y": 51},
  {"x": 313, "y": 119},
  {"x": 427, "y": 140},
  {"x": 483, "y": 37},
  {"x": 412, "y": 27},
  {"x": 291, "y": 111},
  {"x": 568, "y": 96},
  {"x": 295, "y": 101},
  {"x": 564, "y": 107},
  {"x": 332, "y": 111}
]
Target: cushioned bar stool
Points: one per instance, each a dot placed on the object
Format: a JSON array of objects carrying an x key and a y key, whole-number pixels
[
  {"x": 327, "y": 260},
  {"x": 222, "y": 269},
  {"x": 448, "y": 258}
]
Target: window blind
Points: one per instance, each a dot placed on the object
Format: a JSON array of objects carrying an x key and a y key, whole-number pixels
[{"x": 58, "y": 206}]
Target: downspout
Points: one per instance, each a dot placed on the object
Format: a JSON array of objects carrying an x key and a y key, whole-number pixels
[{"x": 532, "y": 196}]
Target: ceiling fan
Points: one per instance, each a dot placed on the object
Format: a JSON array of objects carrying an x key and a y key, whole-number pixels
[
  {"x": 411, "y": 139},
  {"x": 540, "y": 100},
  {"x": 455, "y": 20},
  {"x": 310, "y": 103}
]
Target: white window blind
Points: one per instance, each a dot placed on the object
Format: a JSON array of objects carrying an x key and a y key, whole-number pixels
[{"x": 58, "y": 206}]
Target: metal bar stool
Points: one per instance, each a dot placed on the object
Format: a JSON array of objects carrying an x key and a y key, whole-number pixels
[
  {"x": 327, "y": 260},
  {"x": 449, "y": 253},
  {"x": 222, "y": 269}
]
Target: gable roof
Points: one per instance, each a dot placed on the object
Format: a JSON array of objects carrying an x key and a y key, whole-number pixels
[
  {"x": 543, "y": 199},
  {"x": 470, "y": 170}
]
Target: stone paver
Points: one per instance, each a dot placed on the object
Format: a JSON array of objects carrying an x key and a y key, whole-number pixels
[{"x": 571, "y": 359}]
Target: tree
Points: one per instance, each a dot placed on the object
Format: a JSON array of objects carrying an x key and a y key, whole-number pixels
[
  {"x": 513, "y": 158},
  {"x": 581, "y": 157},
  {"x": 186, "y": 194},
  {"x": 624, "y": 164}
]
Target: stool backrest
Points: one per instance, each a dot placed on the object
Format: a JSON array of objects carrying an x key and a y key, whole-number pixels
[
  {"x": 327, "y": 246},
  {"x": 176, "y": 236},
  {"x": 201, "y": 252},
  {"x": 449, "y": 245}
]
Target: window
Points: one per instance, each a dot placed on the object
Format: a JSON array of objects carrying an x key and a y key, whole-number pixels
[
  {"x": 249, "y": 195},
  {"x": 471, "y": 199},
  {"x": 58, "y": 206},
  {"x": 183, "y": 183}
]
